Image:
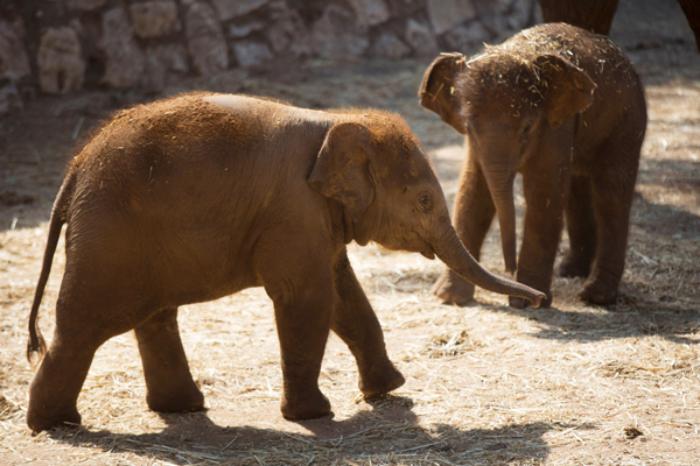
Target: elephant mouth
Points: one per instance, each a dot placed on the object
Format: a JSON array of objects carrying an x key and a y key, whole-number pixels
[
  {"x": 428, "y": 253},
  {"x": 416, "y": 244},
  {"x": 425, "y": 249}
]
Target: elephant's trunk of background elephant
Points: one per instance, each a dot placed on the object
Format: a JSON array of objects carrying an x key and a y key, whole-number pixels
[
  {"x": 501, "y": 188},
  {"x": 452, "y": 252}
]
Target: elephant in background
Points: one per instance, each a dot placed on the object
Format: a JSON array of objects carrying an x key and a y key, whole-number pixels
[
  {"x": 565, "y": 108},
  {"x": 199, "y": 196},
  {"x": 597, "y": 15}
]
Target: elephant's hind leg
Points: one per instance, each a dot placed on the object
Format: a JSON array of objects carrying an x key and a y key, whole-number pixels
[
  {"x": 613, "y": 190},
  {"x": 83, "y": 323},
  {"x": 53, "y": 394},
  {"x": 355, "y": 322},
  {"x": 580, "y": 224},
  {"x": 168, "y": 378}
]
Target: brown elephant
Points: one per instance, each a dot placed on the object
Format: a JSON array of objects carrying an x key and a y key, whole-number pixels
[
  {"x": 564, "y": 107},
  {"x": 597, "y": 15},
  {"x": 199, "y": 196}
]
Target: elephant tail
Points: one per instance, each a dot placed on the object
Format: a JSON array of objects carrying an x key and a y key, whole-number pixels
[{"x": 36, "y": 347}]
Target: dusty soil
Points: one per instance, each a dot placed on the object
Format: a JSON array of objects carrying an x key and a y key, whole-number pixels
[{"x": 571, "y": 384}]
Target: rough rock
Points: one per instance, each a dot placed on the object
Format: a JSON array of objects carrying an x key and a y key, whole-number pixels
[
  {"x": 124, "y": 60},
  {"x": 521, "y": 14},
  {"x": 389, "y": 46},
  {"x": 287, "y": 33},
  {"x": 251, "y": 53},
  {"x": 155, "y": 18},
  {"x": 228, "y": 9},
  {"x": 446, "y": 14},
  {"x": 466, "y": 36},
  {"x": 60, "y": 62},
  {"x": 337, "y": 34},
  {"x": 9, "y": 98},
  {"x": 161, "y": 60},
  {"x": 420, "y": 38},
  {"x": 86, "y": 5},
  {"x": 370, "y": 12},
  {"x": 502, "y": 6},
  {"x": 245, "y": 28},
  {"x": 405, "y": 7},
  {"x": 205, "y": 40},
  {"x": 14, "y": 63},
  {"x": 498, "y": 25}
]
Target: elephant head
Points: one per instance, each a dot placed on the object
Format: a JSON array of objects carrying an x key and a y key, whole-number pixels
[
  {"x": 373, "y": 168},
  {"x": 512, "y": 110}
]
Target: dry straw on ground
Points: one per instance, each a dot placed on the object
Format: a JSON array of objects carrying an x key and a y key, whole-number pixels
[{"x": 486, "y": 384}]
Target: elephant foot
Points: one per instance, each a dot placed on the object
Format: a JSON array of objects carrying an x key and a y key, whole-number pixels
[
  {"x": 599, "y": 294},
  {"x": 453, "y": 290},
  {"x": 380, "y": 381},
  {"x": 39, "y": 422},
  {"x": 522, "y": 303},
  {"x": 572, "y": 267},
  {"x": 305, "y": 405},
  {"x": 176, "y": 402}
]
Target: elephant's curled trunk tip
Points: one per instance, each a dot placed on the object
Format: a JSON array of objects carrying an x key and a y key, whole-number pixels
[{"x": 453, "y": 253}]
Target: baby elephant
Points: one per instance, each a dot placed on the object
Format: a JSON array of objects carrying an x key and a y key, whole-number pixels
[
  {"x": 202, "y": 195},
  {"x": 565, "y": 108}
]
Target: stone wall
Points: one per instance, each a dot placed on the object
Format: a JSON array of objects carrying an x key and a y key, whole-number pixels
[{"x": 63, "y": 46}]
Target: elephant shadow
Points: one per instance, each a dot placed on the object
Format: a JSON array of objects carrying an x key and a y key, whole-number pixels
[
  {"x": 390, "y": 431},
  {"x": 669, "y": 321}
]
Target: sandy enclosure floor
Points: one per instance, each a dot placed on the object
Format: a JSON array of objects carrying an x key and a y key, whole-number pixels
[{"x": 485, "y": 384}]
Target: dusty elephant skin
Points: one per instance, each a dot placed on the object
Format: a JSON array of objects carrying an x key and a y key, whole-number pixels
[
  {"x": 199, "y": 196},
  {"x": 565, "y": 108}
]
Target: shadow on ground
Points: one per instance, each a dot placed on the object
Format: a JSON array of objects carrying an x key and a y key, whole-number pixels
[
  {"x": 632, "y": 318},
  {"x": 390, "y": 431}
]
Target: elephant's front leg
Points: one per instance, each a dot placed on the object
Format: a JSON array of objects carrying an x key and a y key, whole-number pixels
[
  {"x": 168, "y": 378},
  {"x": 473, "y": 214},
  {"x": 300, "y": 283},
  {"x": 303, "y": 322},
  {"x": 355, "y": 322},
  {"x": 544, "y": 197},
  {"x": 613, "y": 191}
]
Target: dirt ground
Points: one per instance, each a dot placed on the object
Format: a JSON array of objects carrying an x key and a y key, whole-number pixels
[{"x": 486, "y": 384}]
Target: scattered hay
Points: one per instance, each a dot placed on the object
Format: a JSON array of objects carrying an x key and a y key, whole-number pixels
[
  {"x": 486, "y": 384},
  {"x": 7, "y": 408},
  {"x": 446, "y": 345}
]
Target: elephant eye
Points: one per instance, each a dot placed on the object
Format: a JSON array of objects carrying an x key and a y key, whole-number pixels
[
  {"x": 425, "y": 202},
  {"x": 526, "y": 129}
]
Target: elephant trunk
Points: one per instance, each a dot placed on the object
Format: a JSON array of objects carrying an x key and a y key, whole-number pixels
[
  {"x": 452, "y": 252},
  {"x": 501, "y": 188}
]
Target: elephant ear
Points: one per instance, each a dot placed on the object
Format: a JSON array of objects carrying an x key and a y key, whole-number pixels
[
  {"x": 570, "y": 89},
  {"x": 342, "y": 172},
  {"x": 437, "y": 90}
]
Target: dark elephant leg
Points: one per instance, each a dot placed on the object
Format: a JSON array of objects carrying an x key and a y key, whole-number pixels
[
  {"x": 544, "y": 197},
  {"x": 580, "y": 224},
  {"x": 168, "y": 378},
  {"x": 691, "y": 8},
  {"x": 299, "y": 280},
  {"x": 473, "y": 214},
  {"x": 83, "y": 322},
  {"x": 356, "y": 324},
  {"x": 594, "y": 15},
  {"x": 53, "y": 394},
  {"x": 303, "y": 323},
  {"x": 613, "y": 191}
]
